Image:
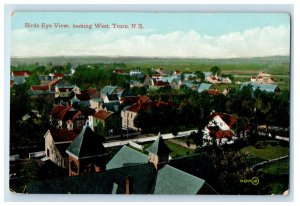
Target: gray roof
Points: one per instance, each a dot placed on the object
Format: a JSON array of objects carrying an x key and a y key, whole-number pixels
[
  {"x": 159, "y": 146},
  {"x": 207, "y": 74},
  {"x": 174, "y": 181},
  {"x": 262, "y": 87},
  {"x": 126, "y": 156},
  {"x": 203, "y": 87},
  {"x": 169, "y": 78},
  {"x": 108, "y": 90},
  {"x": 87, "y": 144}
]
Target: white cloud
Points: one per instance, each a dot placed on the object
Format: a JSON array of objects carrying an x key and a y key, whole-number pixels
[{"x": 254, "y": 42}]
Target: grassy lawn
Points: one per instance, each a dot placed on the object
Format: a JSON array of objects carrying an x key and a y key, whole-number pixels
[
  {"x": 280, "y": 167},
  {"x": 268, "y": 153},
  {"x": 177, "y": 150}
]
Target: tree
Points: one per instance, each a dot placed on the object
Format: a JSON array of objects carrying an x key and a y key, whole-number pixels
[
  {"x": 215, "y": 70},
  {"x": 200, "y": 75}
]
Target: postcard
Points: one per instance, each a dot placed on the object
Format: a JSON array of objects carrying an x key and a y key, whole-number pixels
[{"x": 150, "y": 103}]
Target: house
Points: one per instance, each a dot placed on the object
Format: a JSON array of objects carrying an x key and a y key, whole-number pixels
[
  {"x": 129, "y": 113},
  {"x": 111, "y": 98},
  {"x": 44, "y": 92},
  {"x": 86, "y": 153},
  {"x": 263, "y": 78},
  {"x": 107, "y": 90},
  {"x": 176, "y": 83},
  {"x": 20, "y": 73},
  {"x": 158, "y": 85},
  {"x": 189, "y": 76},
  {"x": 105, "y": 122},
  {"x": 263, "y": 87},
  {"x": 40, "y": 88},
  {"x": 56, "y": 143},
  {"x": 129, "y": 172},
  {"x": 212, "y": 92},
  {"x": 148, "y": 81},
  {"x": 68, "y": 117},
  {"x": 66, "y": 90},
  {"x": 119, "y": 71},
  {"x": 135, "y": 72},
  {"x": 130, "y": 100},
  {"x": 219, "y": 128},
  {"x": 96, "y": 103},
  {"x": 203, "y": 87},
  {"x": 134, "y": 83}
]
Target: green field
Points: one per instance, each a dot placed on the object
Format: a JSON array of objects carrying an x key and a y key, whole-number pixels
[{"x": 268, "y": 153}]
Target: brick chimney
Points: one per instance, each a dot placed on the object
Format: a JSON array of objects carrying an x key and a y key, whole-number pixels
[{"x": 128, "y": 185}]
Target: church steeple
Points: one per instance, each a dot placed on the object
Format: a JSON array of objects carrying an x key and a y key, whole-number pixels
[{"x": 158, "y": 152}]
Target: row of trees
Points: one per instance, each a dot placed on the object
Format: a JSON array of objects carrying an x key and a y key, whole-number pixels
[{"x": 191, "y": 110}]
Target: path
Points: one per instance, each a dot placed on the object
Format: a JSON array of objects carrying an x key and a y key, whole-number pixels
[
  {"x": 192, "y": 146},
  {"x": 147, "y": 139},
  {"x": 268, "y": 161}
]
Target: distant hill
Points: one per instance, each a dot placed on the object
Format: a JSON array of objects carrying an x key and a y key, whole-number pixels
[{"x": 60, "y": 60}]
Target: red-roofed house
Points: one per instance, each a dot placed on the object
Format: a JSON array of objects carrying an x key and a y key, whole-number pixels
[
  {"x": 40, "y": 88},
  {"x": 20, "y": 73},
  {"x": 159, "y": 84},
  {"x": 67, "y": 117},
  {"x": 219, "y": 128},
  {"x": 213, "y": 92},
  {"x": 56, "y": 143},
  {"x": 130, "y": 100},
  {"x": 104, "y": 122}
]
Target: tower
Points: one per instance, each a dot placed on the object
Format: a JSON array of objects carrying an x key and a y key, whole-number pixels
[
  {"x": 86, "y": 153},
  {"x": 158, "y": 152}
]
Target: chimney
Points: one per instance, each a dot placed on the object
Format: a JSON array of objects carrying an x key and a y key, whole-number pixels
[{"x": 128, "y": 186}]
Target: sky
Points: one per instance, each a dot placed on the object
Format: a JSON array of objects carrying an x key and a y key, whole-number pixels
[{"x": 197, "y": 35}]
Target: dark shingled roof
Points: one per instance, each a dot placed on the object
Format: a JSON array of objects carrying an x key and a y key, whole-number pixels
[
  {"x": 159, "y": 146},
  {"x": 106, "y": 182},
  {"x": 87, "y": 144}
]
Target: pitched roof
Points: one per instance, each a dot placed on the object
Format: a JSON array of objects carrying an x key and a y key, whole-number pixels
[
  {"x": 161, "y": 84},
  {"x": 219, "y": 134},
  {"x": 159, "y": 146},
  {"x": 105, "y": 182},
  {"x": 57, "y": 109},
  {"x": 54, "y": 81},
  {"x": 134, "y": 99},
  {"x": 63, "y": 135},
  {"x": 174, "y": 181},
  {"x": 58, "y": 75},
  {"x": 126, "y": 157},
  {"x": 112, "y": 97},
  {"x": 108, "y": 90},
  {"x": 87, "y": 144},
  {"x": 138, "y": 106},
  {"x": 213, "y": 92},
  {"x": 262, "y": 87},
  {"x": 112, "y": 106},
  {"x": 203, "y": 86},
  {"x": 101, "y": 114},
  {"x": 39, "y": 87},
  {"x": 83, "y": 97},
  {"x": 230, "y": 120},
  {"x": 20, "y": 73}
]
